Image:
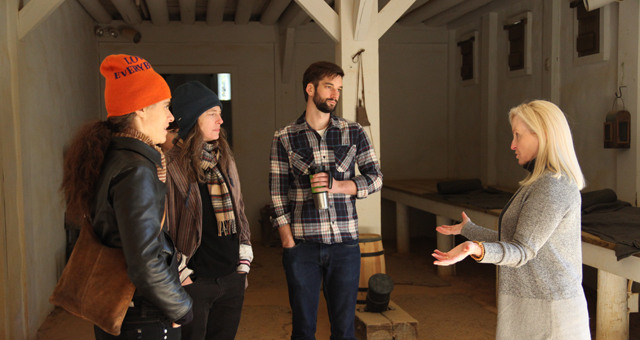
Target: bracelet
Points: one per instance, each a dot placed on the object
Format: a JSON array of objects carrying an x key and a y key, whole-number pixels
[{"x": 478, "y": 258}]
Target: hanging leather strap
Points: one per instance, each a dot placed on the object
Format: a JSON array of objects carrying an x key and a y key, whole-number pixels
[{"x": 357, "y": 58}]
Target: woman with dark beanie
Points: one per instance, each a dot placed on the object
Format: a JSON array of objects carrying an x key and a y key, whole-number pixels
[
  {"x": 114, "y": 176},
  {"x": 206, "y": 215}
]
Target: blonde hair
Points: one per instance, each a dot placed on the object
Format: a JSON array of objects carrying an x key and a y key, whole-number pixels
[{"x": 555, "y": 145}]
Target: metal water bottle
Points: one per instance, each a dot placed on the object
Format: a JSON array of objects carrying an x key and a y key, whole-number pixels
[{"x": 320, "y": 199}]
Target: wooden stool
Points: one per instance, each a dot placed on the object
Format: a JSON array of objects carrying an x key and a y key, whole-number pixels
[{"x": 392, "y": 324}]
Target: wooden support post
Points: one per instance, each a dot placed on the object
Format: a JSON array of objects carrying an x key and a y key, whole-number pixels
[
  {"x": 402, "y": 228},
  {"x": 362, "y": 18},
  {"x": 287, "y": 54},
  {"x": 612, "y": 318},
  {"x": 445, "y": 243},
  {"x": 14, "y": 317}
]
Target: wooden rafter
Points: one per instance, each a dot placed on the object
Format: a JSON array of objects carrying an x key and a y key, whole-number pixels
[
  {"x": 158, "y": 11},
  {"x": 215, "y": 12},
  {"x": 128, "y": 11},
  {"x": 323, "y": 15},
  {"x": 187, "y": 11},
  {"x": 427, "y": 11},
  {"x": 292, "y": 17},
  {"x": 243, "y": 11},
  {"x": 96, "y": 11},
  {"x": 273, "y": 11},
  {"x": 455, "y": 12},
  {"x": 390, "y": 14}
]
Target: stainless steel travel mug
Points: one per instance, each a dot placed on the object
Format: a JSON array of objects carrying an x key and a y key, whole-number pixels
[{"x": 320, "y": 199}]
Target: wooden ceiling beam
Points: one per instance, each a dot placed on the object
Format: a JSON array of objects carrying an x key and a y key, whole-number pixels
[
  {"x": 390, "y": 14},
  {"x": 292, "y": 17},
  {"x": 455, "y": 12},
  {"x": 158, "y": 11},
  {"x": 427, "y": 11},
  {"x": 128, "y": 10},
  {"x": 187, "y": 11},
  {"x": 96, "y": 11},
  {"x": 215, "y": 12},
  {"x": 324, "y": 16},
  {"x": 474, "y": 15},
  {"x": 273, "y": 11},
  {"x": 243, "y": 11}
]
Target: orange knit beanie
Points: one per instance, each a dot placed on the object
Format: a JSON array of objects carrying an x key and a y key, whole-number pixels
[{"x": 131, "y": 84}]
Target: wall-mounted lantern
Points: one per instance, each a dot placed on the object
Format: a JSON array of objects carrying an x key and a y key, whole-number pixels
[{"x": 617, "y": 127}]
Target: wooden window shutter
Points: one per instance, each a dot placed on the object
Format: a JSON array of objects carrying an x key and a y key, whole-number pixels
[
  {"x": 516, "y": 44},
  {"x": 466, "y": 50},
  {"x": 588, "y": 40}
]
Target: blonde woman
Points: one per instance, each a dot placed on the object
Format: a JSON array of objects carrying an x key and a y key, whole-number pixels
[{"x": 537, "y": 245}]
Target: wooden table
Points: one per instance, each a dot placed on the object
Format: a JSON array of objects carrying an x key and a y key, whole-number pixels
[{"x": 612, "y": 310}]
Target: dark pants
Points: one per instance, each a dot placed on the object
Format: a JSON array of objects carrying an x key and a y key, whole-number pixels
[
  {"x": 337, "y": 267},
  {"x": 142, "y": 322},
  {"x": 217, "y": 305}
]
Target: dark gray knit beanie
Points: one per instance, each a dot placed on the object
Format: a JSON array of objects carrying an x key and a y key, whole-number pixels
[{"x": 190, "y": 100}]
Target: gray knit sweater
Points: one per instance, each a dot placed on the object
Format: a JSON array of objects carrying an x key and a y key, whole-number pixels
[{"x": 540, "y": 294}]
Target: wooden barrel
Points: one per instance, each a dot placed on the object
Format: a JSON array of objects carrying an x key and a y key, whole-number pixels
[{"x": 371, "y": 262}]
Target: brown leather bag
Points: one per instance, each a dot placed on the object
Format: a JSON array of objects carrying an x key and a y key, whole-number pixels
[{"x": 94, "y": 285}]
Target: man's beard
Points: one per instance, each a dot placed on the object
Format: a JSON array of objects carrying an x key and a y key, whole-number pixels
[{"x": 321, "y": 105}]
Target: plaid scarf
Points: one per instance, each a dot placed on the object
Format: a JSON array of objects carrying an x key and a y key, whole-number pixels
[
  {"x": 133, "y": 133},
  {"x": 220, "y": 196}
]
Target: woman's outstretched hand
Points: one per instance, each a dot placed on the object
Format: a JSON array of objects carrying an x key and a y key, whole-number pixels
[
  {"x": 453, "y": 229},
  {"x": 456, "y": 254}
]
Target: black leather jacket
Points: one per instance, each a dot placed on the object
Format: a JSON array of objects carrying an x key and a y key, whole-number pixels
[{"x": 128, "y": 211}]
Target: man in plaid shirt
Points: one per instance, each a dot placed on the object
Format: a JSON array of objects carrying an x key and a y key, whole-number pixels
[{"x": 321, "y": 246}]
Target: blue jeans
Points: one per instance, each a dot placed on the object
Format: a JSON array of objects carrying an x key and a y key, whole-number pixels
[{"x": 337, "y": 267}]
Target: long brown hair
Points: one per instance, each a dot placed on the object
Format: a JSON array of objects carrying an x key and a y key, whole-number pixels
[
  {"x": 190, "y": 157},
  {"x": 83, "y": 163}
]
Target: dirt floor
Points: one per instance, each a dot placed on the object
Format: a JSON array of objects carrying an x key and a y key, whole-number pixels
[{"x": 460, "y": 308}]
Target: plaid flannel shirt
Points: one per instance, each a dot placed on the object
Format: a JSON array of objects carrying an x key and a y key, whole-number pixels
[{"x": 295, "y": 149}]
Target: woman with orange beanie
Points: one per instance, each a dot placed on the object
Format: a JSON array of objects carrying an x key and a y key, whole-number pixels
[{"x": 114, "y": 175}]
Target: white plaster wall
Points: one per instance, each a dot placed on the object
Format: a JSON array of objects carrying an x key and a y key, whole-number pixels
[
  {"x": 513, "y": 90},
  {"x": 58, "y": 92},
  {"x": 466, "y": 111},
  {"x": 587, "y": 94},
  {"x": 413, "y": 110}
]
